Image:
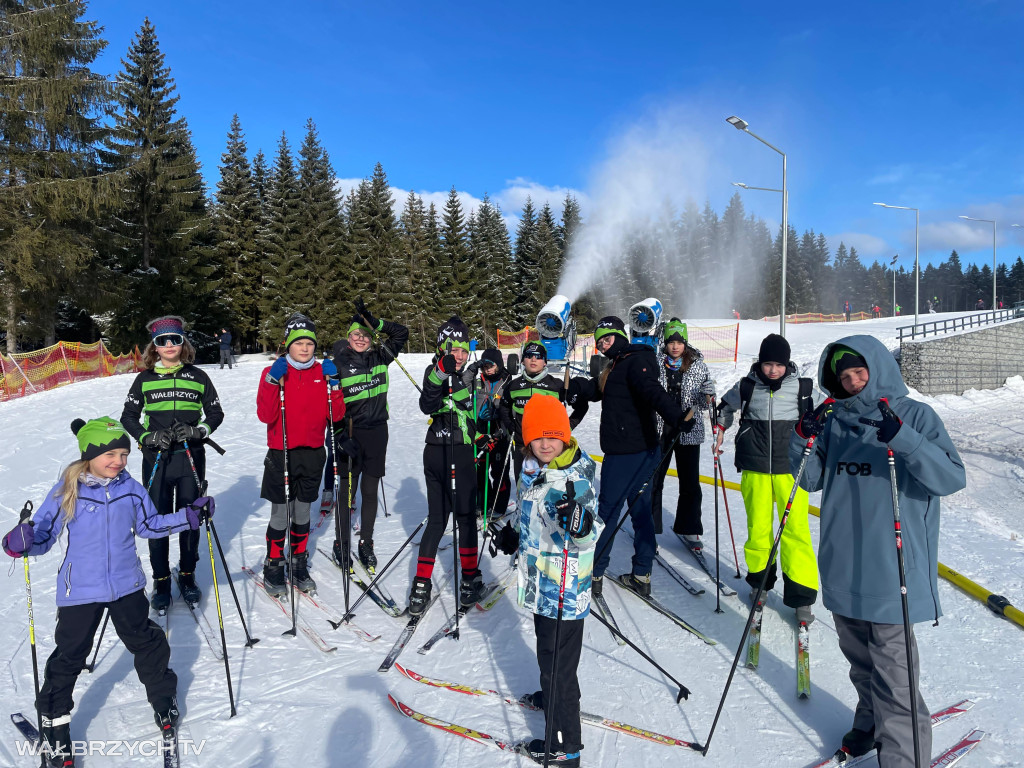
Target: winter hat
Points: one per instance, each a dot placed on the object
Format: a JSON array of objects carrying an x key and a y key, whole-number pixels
[
  {"x": 545, "y": 416},
  {"x": 675, "y": 330},
  {"x": 610, "y": 324},
  {"x": 455, "y": 332},
  {"x": 535, "y": 348},
  {"x": 492, "y": 356},
  {"x": 166, "y": 324},
  {"x": 774, "y": 349},
  {"x": 299, "y": 327},
  {"x": 359, "y": 324},
  {"x": 843, "y": 358},
  {"x": 98, "y": 436}
]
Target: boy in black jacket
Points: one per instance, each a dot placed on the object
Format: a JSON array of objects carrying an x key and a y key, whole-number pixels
[{"x": 630, "y": 394}]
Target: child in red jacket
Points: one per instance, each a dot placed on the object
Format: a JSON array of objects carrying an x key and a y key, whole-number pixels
[{"x": 306, "y": 385}]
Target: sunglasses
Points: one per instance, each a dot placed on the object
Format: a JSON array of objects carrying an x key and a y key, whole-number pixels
[
  {"x": 169, "y": 340},
  {"x": 534, "y": 355}
]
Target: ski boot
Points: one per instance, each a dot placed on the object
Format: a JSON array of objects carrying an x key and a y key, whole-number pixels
[
  {"x": 56, "y": 741},
  {"x": 165, "y": 713},
  {"x": 326, "y": 502},
  {"x": 273, "y": 577},
  {"x": 857, "y": 742},
  {"x": 419, "y": 596},
  {"x": 558, "y": 756},
  {"x": 366, "y": 556},
  {"x": 535, "y": 699},
  {"x": 804, "y": 615},
  {"x": 471, "y": 589},
  {"x": 596, "y": 586},
  {"x": 190, "y": 593},
  {"x": 161, "y": 599},
  {"x": 639, "y": 583},
  {"x": 339, "y": 558},
  {"x": 300, "y": 573},
  {"x": 693, "y": 542}
]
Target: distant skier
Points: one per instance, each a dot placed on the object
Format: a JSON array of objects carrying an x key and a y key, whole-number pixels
[
  {"x": 847, "y": 310},
  {"x": 859, "y": 577},
  {"x": 102, "y": 509},
  {"x": 980, "y": 304},
  {"x": 225, "y": 348},
  {"x": 170, "y": 403}
]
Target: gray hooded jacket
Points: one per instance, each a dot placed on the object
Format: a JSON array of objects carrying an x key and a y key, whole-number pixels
[{"x": 857, "y": 547}]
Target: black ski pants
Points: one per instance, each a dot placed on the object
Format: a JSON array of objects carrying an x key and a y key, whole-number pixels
[
  {"x": 687, "y": 522},
  {"x": 369, "y": 467},
  {"x": 562, "y": 714},
  {"x": 437, "y": 472},
  {"x": 173, "y": 488},
  {"x": 76, "y": 629}
]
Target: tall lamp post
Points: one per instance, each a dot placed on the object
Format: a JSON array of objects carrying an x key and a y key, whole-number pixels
[
  {"x": 892, "y": 266},
  {"x": 742, "y": 125},
  {"x": 989, "y": 221},
  {"x": 917, "y": 253}
]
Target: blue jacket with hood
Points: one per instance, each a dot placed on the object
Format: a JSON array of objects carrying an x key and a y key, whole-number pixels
[{"x": 857, "y": 546}]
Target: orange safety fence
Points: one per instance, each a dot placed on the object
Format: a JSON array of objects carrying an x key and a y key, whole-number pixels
[
  {"x": 509, "y": 339},
  {"x": 817, "y": 317},
  {"x": 65, "y": 362}
]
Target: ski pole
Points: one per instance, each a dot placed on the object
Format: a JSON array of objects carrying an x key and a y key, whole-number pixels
[
  {"x": 551, "y": 702},
  {"x": 883, "y": 405},
  {"x": 783, "y": 519},
  {"x": 383, "y": 498},
  {"x": 490, "y": 514},
  {"x": 288, "y": 511},
  {"x": 106, "y": 614},
  {"x": 718, "y": 560},
  {"x": 394, "y": 355},
  {"x": 345, "y": 536},
  {"x": 380, "y": 573},
  {"x": 24, "y": 517},
  {"x": 725, "y": 496},
  {"x": 250, "y": 641},
  {"x": 201, "y": 487},
  {"x": 455, "y": 523}
]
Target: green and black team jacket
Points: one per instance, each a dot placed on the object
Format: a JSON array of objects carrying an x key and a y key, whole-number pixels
[
  {"x": 521, "y": 389},
  {"x": 183, "y": 394},
  {"x": 434, "y": 402},
  {"x": 364, "y": 377}
]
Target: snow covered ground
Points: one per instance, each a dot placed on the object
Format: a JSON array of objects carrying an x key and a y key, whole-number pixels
[{"x": 297, "y": 703}]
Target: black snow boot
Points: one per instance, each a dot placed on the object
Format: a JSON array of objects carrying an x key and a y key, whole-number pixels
[
  {"x": 419, "y": 596},
  {"x": 535, "y": 699},
  {"x": 535, "y": 751},
  {"x": 190, "y": 592},
  {"x": 858, "y": 742},
  {"x": 596, "y": 586},
  {"x": 273, "y": 577},
  {"x": 57, "y": 741},
  {"x": 300, "y": 573},
  {"x": 161, "y": 599},
  {"x": 165, "y": 712},
  {"x": 366, "y": 556},
  {"x": 471, "y": 589},
  {"x": 641, "y": 584}
]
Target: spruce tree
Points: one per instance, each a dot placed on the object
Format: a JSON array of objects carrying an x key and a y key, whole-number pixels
[
  {"x": 440, "y": 268},
  {"x": 527, "y": 267},
  {"x": 457, "y": 253},
  {"x": 492, "y": 255},
  {"x": 548, "y": 253},
  {"x": 373, "y": 241},
  {"x": 414, "y": 292}
]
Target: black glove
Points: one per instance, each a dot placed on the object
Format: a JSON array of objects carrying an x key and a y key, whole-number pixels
[
  {"x": 571, "y": 393},
  {"x": 812, "y": 423},
  {"x": 183, "y": 432},
  {"x": 469, "y": 373},
  {"x": 576, "y": 520},
  {"x": 447, "y": 365},
  {"x": 685, "y": 425},
  {"x": 363, "y": 312},
  {"x": 349, "y": 446},
  {"x": 504, "y": 540},
  {"x": 888, "y": 426},
  {"x": 160, "y": 440}
]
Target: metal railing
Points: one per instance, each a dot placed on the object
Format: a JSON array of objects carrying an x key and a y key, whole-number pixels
[{"x": 937, "y": 327}]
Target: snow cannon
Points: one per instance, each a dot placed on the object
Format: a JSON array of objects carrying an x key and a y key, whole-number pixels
[
  {"x": 557, "y": 328},
  {"x": 645, "y": 322}
]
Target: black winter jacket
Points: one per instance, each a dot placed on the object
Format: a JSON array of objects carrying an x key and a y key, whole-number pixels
[{"x": 364, "y": 376}]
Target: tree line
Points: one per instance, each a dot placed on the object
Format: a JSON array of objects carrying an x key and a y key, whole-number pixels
[{"x": 106, "y": 221}]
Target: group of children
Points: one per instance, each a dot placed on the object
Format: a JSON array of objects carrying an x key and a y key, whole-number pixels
[{"x": 562, "y": 526}]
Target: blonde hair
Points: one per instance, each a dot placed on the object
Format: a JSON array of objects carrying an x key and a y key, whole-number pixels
[
  {"x": 150, "y": 357},
  {"x": 68, "y": 489}
]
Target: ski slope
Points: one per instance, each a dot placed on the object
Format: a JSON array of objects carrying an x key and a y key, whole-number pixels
[{"x": 325, "y": 709}]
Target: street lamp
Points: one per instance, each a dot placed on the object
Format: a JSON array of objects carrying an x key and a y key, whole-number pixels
[
  {"x": 742, "y": 125},
  {"x": 917, "y": 253},
  {"x": 989, "y": 221},
  {"x": 892, "y": 266}
]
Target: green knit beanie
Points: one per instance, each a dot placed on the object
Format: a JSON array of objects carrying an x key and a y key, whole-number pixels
[{"x": 98, "y": 436}]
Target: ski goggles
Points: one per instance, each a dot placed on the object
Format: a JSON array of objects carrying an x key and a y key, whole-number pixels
[
  {"x": 533, "y": 355},
  {"x": 169, "y": 340}
]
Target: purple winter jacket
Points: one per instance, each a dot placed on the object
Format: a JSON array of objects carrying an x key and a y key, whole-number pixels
[{"x": 102, "y": 564}]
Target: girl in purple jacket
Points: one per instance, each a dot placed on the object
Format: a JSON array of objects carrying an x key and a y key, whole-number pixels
[{"x": 102, "y": 508}]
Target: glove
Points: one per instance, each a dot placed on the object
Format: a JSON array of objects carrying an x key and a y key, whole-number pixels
[
  {"x": 812, "y": 423},
  {"x": 19, "y": 540},
  {"x": 277, "y": 370},
  {"x": 160, "y": 440},
  {"x": 363, "y": 312},
  {"x": 350, "y": 447},
  {"x": 486, "y": 443},
  {"x": 888, "y": 426},
  {"x": 183, "y": 432},
  {"x": 685, "y": 425},
  {"x": 708, "y": 387},
  {"x": 572, "y": 392},
  {"x": 330, "y": 370},
  {"x": 447, "y": 365},
  {"x": 199, "y": 511},
  {"x": 504, "y": 540},
  {"x": 576, "y": 520},
  {"x": 469, "y": 373}
]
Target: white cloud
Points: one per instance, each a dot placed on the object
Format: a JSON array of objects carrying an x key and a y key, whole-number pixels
[{"x": 893, "y": 175}]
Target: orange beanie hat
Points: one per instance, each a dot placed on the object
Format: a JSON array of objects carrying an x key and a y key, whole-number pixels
[{"x": 545, "y": 416}]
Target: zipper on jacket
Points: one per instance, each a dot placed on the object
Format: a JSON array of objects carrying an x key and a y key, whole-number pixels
[
  {"x": 771, "y": 433},
  {"x": 67, "y": 581}
]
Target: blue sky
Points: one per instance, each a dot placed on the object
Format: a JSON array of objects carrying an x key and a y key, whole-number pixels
[{"x": 909, "y": 103}]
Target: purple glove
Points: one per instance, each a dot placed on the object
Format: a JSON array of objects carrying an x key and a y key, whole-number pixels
[
  {"x": 19, "y": 540},
  {"x": 199, "y": 511}
]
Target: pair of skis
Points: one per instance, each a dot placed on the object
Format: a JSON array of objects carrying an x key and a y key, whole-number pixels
[
  {"x": 803, "y": 649},
  {"x": 487, "y": 601},
  {"x": 945, "y": 759},
  {"x": 361, "y": 578},
  {"x": 410, "y": 628},
  {"x": 201, "y": 621}
]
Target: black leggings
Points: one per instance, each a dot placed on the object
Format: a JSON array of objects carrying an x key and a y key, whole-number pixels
[
  {"x": 688, "y": 507},
  {"x": 173, "y": 488},
  {"x": 437, "y": 472}
]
